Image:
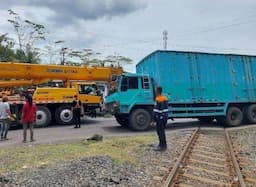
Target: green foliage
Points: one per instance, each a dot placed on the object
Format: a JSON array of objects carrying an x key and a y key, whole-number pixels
[
  {"x": 28, "y": 33},
  {"x": 90, "y": 58},
  {"x": 118, "y": 60},
  {"x": 124, "y": 149},
  {"x": 6, "y": 53}
]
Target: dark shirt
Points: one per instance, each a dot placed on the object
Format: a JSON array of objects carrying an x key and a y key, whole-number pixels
[
  {"x": 76, "y": 104},
  {"x": 161, "y": 107}
]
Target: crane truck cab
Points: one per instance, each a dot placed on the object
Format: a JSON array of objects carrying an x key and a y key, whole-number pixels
[{"x": 58, "y": 101}]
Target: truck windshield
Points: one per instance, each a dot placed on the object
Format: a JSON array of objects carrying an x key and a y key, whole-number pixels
[{"x": 129, "y": 83}]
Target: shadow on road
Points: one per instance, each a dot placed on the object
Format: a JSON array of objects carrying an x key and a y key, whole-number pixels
[{"x": 170, "y": 126}]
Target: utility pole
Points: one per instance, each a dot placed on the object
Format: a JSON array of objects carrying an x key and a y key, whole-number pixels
[
  {"x": 165, "y": 38},
  {"x": 63, "y": 51}
]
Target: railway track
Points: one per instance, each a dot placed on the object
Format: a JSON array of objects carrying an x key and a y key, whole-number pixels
[{"x": 208, "y": 159}]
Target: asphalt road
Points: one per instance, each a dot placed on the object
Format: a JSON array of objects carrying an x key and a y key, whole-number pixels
[{"x": 104, "y": 126}]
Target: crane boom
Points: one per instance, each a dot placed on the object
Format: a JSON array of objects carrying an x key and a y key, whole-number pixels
[{"x": 10, "y": 70}]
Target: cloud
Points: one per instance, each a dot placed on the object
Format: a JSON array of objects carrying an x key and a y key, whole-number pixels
[{"x": 67, "y": 11}]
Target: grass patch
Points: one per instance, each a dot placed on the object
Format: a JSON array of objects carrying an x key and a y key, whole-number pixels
[{"x": 123, "y": 149}]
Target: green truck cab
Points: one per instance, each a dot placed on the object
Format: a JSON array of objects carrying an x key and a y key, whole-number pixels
[{"x": 133, "y": 101}]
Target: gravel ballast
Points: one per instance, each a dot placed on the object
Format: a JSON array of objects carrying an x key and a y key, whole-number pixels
[
  {"x": 93, "y": 171},
  {"x": 150, "y": 170},
  {"x": 244, "y": 142}
]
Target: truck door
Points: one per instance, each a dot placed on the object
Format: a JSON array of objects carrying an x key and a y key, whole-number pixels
[
  {"x": 250, "y": 79},
  {"x": 87, "y": 94},
  {"x": 148, "y": 89},
  {"x": 196, "y": 88}
]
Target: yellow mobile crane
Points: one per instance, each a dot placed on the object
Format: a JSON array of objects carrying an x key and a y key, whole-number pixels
[{"x": 55, "y": 103}]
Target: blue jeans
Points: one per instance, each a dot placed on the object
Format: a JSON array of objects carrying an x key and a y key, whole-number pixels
[{"x": 4, "y": 128}]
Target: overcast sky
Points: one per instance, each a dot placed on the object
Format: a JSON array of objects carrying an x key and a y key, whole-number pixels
[{"x": 133, "y": 28}]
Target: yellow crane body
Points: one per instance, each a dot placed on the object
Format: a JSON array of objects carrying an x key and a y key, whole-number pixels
[{"x": 55, "y": 103}]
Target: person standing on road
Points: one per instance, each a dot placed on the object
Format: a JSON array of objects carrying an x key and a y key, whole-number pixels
[
  {"x": 76, "y": 108},
  {"x": 4, "y": 117},
  {"x": 28, "y": 118},
  {"x": 160, "y": 113}
]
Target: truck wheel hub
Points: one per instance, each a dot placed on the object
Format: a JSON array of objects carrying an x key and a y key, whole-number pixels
[
  {"x": 41, "y": 117},
  {"x": 141, "y": 119},
  {"x": 66, "y": 115}
]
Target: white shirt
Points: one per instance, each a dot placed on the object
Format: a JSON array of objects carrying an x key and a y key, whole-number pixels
[{"x": 4, "y": 107}]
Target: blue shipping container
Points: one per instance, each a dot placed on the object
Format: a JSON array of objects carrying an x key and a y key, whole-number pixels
[{"x": 193, "y": 77}]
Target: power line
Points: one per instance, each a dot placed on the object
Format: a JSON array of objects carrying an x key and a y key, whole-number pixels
[{"x": 223, "y": 25}]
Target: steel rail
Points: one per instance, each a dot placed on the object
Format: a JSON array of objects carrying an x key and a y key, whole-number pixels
[
  {"x": 171, "y": 177},
  {"x": 234, "y": 161},
  {"x": 170, "y": 180}
]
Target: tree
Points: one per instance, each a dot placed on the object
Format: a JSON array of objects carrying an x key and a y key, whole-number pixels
[
  {"x": 63, "y": 52},
  {"x": 86, "y": 56},
  {"x": 118, "y": 60},
  {"x": 53, "y": 49},
  {"x": 28, "y": 33},
  {"x": 90, "y": 58},
  {"x": 6, "y": 51}
]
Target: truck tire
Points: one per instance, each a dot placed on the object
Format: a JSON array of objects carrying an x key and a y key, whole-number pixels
[
  {"x": 64, "y": 115},
  {"x": 122, "y": 120},
  {"x": 139, "y": 120},
  {"x": 234, "y": 116},
  {"x": 206, "y": 119},
  {"x": 250, "y": 113},
  {"x": 43, "y": 116}
]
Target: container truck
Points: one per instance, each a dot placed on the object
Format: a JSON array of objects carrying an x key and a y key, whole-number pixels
[{"x": 199, "y": 85}]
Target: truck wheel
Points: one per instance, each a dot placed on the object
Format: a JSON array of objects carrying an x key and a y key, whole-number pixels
[
  {"x": 64, "y": 115},
  {"x": 234, "y": 116},
  {"x": 43, "y": 116},
  {"x": 206, "y": 119},
  {"x": 122, "y": 120},
  {"x": 140, "y": 119},
  {"x": 250, "y": 113}
]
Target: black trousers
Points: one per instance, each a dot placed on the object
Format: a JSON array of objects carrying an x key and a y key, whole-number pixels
[
  {"x": 76, "y": 113},
  {"x": 160, "y": 128}
]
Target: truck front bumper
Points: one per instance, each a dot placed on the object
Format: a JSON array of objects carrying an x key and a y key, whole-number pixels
[{"x": 112, "y": 108}]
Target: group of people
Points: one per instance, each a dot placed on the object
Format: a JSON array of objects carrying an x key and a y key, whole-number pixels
[{"x": 28, "y": 118}]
